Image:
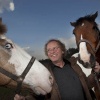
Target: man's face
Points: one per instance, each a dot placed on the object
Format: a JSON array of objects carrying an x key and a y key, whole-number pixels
[{"x": 54, "y": 51}]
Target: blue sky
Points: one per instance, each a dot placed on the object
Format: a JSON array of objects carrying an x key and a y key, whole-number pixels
[{"x": 31, "y": 23}]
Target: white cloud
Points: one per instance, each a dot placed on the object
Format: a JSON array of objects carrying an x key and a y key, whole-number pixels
[
  {"x": 11, "y": 6},
  {"x": 39, "y": 52},
  {"x": 69, "y": 43},
  {"x": 26, "y": 48},
  {"x": 99, "y": 25},
  {"x": 6, "y": 5},
  {"x": 36, "y": 52}
]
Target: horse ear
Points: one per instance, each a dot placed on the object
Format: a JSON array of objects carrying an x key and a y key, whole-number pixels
[
  {"x": 3, "y": 28},
  {"x": 0, "y": 20},
  {"x": 73, "y": 23},
  {"x": 94, "y": 16}
]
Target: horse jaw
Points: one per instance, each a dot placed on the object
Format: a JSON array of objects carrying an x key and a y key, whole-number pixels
[
  {"x": 38, "y": 77},
  {"x": 87, "y": 71}
]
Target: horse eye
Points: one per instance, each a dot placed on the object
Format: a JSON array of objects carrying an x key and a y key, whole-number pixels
[
  {"x": 73, "y": 33},
  {"x": 8, "y": 46},
  {"x": 95, "y": 28}
]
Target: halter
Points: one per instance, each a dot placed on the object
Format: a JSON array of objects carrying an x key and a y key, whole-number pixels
[
  {"x": 93, "y": 49},
  {"x": 18, "y": 79}
]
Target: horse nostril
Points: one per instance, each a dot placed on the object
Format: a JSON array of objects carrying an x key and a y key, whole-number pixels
[{"x": 51, "y": 80}]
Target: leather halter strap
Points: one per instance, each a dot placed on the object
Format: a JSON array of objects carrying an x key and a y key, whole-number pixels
[
  {"x": 18, "y": 79},
  {"x": 94, "y": 50}
]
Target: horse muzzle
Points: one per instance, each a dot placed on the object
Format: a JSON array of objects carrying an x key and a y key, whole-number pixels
[{"x": 90, "y": 64}]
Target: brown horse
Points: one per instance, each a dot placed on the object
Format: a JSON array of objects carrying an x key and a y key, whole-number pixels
[
  {"x": 87, "y": 35},
  {"x": 13, "y": 62}
]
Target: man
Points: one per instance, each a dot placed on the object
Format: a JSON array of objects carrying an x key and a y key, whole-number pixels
[{"x": 70, "y": 83}]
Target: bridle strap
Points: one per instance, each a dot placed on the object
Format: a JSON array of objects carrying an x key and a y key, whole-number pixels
[
  {"x": 98, "y": 46},
  {"x": 27, "y": 68},
  {"x": 8, "y": 74},
  {"x": 94, "y": 50},
  {"x": 22, "y": 76},
  {"x": 18, "y": 79}
]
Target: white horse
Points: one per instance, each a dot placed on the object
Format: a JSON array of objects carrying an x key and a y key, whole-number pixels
[{"x": 14, "y": 60}]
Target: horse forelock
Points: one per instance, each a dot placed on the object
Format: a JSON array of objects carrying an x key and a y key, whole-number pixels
[
  {"x": 85, "y": 18},
  {"x": 3, "y": 28}
]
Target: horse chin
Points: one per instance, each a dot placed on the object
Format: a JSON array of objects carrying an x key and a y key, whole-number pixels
[
  {"x": 90, "y": 64},
  {"x": 39, "y": 91}
]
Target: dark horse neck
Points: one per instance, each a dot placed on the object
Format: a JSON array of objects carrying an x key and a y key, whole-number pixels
[{"x": 98, "y": 56}]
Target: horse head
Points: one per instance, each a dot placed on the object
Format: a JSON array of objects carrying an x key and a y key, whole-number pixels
[
  {"x": 87, "y": 35},
  {"x": 14, "y": 60}
]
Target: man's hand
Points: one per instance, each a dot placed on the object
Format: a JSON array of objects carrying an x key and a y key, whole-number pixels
[
  {"x": 97, "y": 68},
  {"x": 19, "y": 97}
]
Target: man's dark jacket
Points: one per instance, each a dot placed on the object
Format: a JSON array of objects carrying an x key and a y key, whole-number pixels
[{"x": 87, "y": 83}]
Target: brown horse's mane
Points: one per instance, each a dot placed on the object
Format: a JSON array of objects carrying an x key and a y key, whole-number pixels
[
  {"x": 3, "y": 28},
  {"x": 87, "y": 18}
]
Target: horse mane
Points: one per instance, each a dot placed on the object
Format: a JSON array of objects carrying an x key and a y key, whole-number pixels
[
  {"x": 3, "y": 28},
  {"x": 88, "y": 18},
  {"x": 81, "y": 19}
]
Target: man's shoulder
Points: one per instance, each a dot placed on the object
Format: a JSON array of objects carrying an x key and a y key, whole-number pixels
[
  {"x": 45, "y": 61},
  {"x": 66, "y": 61}
]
